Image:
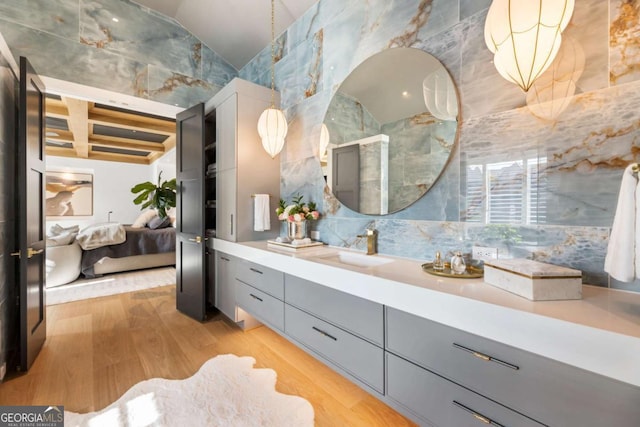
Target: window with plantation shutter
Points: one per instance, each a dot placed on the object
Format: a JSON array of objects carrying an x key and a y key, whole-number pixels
[
  {"x": 505, "y": 190},
  {"x": 511, "y": 192}
]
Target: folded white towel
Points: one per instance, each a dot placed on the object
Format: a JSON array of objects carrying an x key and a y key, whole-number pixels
[
  {"x": 261, "y": 214},
  {"x": 623, "y": 254}
]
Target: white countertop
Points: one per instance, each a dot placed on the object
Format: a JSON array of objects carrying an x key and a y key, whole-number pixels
[{"x": 599, "y": 333}]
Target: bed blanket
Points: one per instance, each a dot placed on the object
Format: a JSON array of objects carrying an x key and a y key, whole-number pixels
[
  {"x": 139, "y": 241},
  {"x": 98, "y": 235}
]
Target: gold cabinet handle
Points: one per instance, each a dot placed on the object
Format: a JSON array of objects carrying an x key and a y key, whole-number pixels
[
  {"x": 477, "y": 415},
  {"x": 198, "y": 239},
  {"x": 486, "y": 357}
]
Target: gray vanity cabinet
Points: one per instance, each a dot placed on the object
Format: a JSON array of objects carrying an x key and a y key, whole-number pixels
[
  {"x": 356, "y": 315},
  {"x": 353, "y": 355},
  {"x": 343, "y": 329},
  {"x": 553, "y": 393},
  {"x": 263, "y": 278},
  {"x": 442, "y": 402},
  {"x": 259, "y": 292},
  {"x": 260, "y": 305}
]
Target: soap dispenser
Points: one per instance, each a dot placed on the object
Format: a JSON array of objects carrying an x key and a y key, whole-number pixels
[
  {"x": 438, "y": 263},
  {"x": 458, "y": 265}
]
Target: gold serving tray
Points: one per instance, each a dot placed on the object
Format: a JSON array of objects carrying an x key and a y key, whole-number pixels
[{"x": 472, "y": 272}]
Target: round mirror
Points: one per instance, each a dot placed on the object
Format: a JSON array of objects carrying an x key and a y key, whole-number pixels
[{"x": 389, "y": 131}]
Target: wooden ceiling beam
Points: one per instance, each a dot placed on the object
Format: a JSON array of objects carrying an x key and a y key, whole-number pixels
[
  {"x": 126, "y": 115},
  {"x": 125, "y": 143},
  {"x": 122, "y": 158},
  {"x": 169, "y": 143},
  {"x": 60, "y": 151},
  {"x": 132, "y": 124},
  {"x": 62, "y": 135},
  {"x": 78, "y": 124},
  {"x": 57, "y": 110}
]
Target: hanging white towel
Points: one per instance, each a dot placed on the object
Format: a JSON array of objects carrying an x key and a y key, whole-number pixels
[
  {"x": 623, "y": 254},
  {"x": 261, "y": 214}
]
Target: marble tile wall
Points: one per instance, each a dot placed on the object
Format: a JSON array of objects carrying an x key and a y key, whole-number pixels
[
  {"x": 580, "y": 153},
  {"x": 144, "y": 54}
]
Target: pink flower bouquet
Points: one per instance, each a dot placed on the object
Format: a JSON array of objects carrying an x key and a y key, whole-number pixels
[{"x": 297, "y": 210}]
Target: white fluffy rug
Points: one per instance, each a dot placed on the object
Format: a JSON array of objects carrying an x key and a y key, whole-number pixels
[
  {"x": 111, "y": 284},
  {"x": 226, "y": 391}
]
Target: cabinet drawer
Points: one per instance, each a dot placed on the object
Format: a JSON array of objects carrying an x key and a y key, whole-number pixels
[
  {"x": 357, "y": 315},
  {"x": 443, "y": 403},
  {"x": 261, "y": 277},
  {"x": 356, "y": 356},
  {"x": 548, "y": 391},
  {"x": 260, "y": 305}
]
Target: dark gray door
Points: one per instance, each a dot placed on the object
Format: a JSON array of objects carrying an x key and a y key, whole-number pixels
[
  {"x": 31, "y": 223},
  {"x": 190, "y": 245},
  {"x": 346, "y": 175}
]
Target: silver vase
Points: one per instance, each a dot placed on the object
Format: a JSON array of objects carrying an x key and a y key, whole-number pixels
[{"x": 297, "y": 229}]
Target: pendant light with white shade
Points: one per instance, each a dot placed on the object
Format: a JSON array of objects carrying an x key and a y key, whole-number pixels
[
  {"x": 440, "y": 95},
  {"x": 272, "y": 124},
  {"x": 525, "y": 36}
]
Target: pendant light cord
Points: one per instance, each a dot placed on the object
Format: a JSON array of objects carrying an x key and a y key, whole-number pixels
[{"x": 273, "y": 54}]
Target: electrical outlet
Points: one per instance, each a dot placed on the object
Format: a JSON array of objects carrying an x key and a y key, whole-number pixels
[{"x": 484, "y": 253}]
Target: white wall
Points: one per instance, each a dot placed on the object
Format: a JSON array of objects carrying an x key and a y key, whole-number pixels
[
  {"x": 112, "y": 184},
  {"x": 165, "y": 164}
]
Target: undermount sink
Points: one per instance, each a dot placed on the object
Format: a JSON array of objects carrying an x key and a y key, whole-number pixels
[{"x": 355, "y": 259}]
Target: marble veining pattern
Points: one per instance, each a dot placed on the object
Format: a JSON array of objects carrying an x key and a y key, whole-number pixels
[
  {"x": 77, "y": 41},
  {"x": 90, "y": 66},
  {"x": 623, "y": 41},
  {"x": 60, "y": 17},
  {"x": 172, "y": 88},
  {"x": 139, "y": 35}
]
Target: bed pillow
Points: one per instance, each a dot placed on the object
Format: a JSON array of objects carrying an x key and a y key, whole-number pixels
[
  {"x": 144, "y": 218},
  {"x": 157, "y": 222}
]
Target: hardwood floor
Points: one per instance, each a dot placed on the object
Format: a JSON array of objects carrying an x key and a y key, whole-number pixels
[{"x": 97, "y": 349}]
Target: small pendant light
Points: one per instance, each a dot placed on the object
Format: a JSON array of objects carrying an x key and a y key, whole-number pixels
[{"x": 272, "y": 124}]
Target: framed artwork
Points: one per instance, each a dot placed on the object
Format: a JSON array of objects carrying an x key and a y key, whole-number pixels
[{"x": 69, "y": 194}]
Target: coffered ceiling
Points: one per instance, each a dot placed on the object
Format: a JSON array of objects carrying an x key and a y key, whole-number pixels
[{"x": 88, "y": 130}]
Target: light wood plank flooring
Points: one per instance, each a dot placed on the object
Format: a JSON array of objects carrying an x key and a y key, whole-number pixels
[{"x": 97, "y": 349}]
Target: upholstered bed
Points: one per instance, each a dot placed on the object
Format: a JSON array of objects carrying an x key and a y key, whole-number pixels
[{"x": 142, "y": 248}]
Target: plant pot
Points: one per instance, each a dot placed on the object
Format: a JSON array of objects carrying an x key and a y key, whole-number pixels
[{"x": 297, "y": 229}]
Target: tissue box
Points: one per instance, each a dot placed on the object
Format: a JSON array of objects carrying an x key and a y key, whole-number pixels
[{"x": 534, "y": 280}]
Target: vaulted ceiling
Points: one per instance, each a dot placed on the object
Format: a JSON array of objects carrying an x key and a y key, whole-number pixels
[
  {"x": 88, "y": 130},
  {"x": 235, "y": 29}
]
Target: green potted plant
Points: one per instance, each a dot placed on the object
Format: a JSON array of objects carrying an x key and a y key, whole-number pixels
[{"x": 159, "y": 197}]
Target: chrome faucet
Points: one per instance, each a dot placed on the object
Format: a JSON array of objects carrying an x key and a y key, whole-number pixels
[{"x": 371, "y": 236}]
